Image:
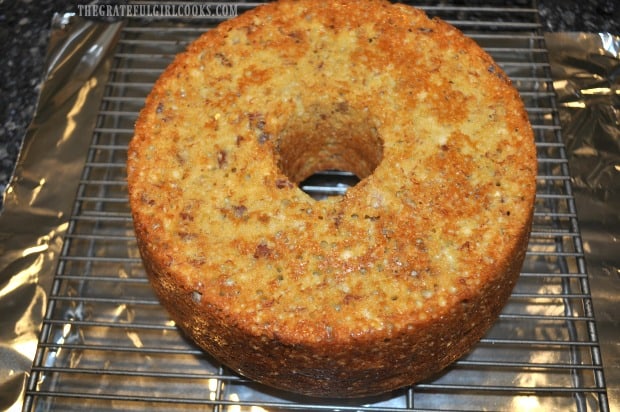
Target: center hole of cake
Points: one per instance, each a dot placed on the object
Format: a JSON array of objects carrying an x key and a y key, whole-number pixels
[{"x": 327, "y": 150}]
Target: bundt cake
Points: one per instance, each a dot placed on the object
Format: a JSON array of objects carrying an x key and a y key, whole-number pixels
[{"x": 352, "y": 295}]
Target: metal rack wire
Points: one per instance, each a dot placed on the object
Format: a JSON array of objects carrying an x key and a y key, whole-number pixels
[{"x": 107, "y": 344}]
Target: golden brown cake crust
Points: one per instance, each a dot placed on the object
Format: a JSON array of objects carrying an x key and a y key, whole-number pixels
[{"x": 353, "y": 295}]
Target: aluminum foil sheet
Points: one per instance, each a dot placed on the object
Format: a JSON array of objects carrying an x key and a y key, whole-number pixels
[
  {"x": 40, "y": 198},
  {"x": 586, "y": 73}
]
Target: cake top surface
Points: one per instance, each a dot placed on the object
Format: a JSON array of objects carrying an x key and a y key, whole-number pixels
[{"x": 431, "y": 125}]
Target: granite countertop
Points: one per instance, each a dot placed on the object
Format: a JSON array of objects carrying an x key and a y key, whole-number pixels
[{"x": 24, "y": 32}]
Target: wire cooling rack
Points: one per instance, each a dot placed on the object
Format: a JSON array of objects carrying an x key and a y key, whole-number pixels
[{"x": 107, "y": 344}]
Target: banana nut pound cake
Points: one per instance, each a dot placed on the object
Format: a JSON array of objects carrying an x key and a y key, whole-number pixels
[{"x": 353, "y": 295}]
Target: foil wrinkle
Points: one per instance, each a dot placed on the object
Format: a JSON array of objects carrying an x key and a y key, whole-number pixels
[{"x": 38, "y": 201}]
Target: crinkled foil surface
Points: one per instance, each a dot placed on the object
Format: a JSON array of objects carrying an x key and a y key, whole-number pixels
[
  {"x": 39, "y": 201},
  {"x": 586, "y": 74}
]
